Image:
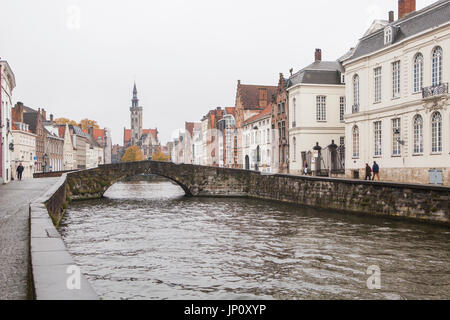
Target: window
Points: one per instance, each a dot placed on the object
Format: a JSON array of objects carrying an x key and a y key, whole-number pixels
[
  {"x": 396, "y": 79},
  {"x": 418, "y": 134},
  {"x": 341, "y": 141},
  {"x": 437, "y": 67},
  {"x": 388, "y": 35},
  {"x": 377, "y": 135},
  {"x": 283, "y": 130},
  {"x": 283, "y": 107},
  {"x": 356, "y": 93},
  {"x": 436, "y": 132},
  {"x": 355, "y": 134},
  {"x": 396, "y": 137},
  {"x": 294, "y": 104},
  {"x": 418, "y": 73},
  {"x": 294, "y": 143},
  {"x": 279, "y": 108},
  {"x": 341, "y": 108},
  {"x": 321, "y": 108},
  {"x": 377, "y": 75}
]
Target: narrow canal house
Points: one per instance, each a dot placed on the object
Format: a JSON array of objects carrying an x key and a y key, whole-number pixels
[
  {"x": 24, "y": 144},
  {"x": 257, "y": 141},
  {"x": 316, "y": 114},
  {"x": 250, "y": 100},
  {"x": 228, "y": 155},
  {"x": 7, "y": 85},
  {"x": 398, "y": 102},
  {"x": 35, "y": 120},
  {"x": 280, "y": 128}
]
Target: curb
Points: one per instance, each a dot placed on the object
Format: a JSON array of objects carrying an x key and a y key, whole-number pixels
[{"x": 52, "y": 266}]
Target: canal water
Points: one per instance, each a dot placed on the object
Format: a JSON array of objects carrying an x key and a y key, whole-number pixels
[{"x": 147, "y": 241}]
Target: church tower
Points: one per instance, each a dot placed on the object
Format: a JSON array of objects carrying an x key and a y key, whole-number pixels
[{"x": 136, "y": 118}]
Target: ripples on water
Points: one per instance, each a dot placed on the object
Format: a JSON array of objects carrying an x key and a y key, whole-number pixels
[{"x": 147, "y": 241}]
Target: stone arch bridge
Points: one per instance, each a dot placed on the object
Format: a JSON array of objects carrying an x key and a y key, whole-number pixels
[{"x": 420, "y": 202}]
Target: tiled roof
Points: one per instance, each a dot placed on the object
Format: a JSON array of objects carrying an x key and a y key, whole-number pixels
[
  {"x": 319, "y": 72},
  {"x": 127, "y": 134},
  {"x": 263, "y": 114},
  {"x": 230, "y": 110},
  {"x": 410, "y": 25},
  {"x": 62, "y": 131},
  {"x": 250, "y": 95},
  {"x": 30, "y": 118}
]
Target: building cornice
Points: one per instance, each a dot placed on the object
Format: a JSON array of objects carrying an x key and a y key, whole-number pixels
[{"x": 316, "y": 85}]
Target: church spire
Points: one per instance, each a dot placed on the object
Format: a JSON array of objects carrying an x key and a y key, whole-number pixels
[{"x": 135, "y": 101}]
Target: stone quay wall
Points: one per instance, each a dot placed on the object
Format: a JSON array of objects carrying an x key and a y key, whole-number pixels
[{"x": 426, "y": 203}]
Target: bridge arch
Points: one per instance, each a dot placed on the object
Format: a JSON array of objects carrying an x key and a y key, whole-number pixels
[{"x": 93, "y": 183}]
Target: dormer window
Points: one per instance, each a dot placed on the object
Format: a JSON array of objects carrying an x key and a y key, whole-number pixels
[{"x": 388, "y": 35}]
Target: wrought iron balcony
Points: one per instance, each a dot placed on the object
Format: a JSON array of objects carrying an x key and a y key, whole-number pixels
[
  {"x": 435, "y": 91},
  {"x": 355, "y": 108}
]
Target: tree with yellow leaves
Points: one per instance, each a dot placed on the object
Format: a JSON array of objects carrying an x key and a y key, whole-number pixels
[
  {"x": 86, "y": 123},
  {"x": 159, "y": 156},
  {"x": 61, "y": 121},
  {"x": 133, "y": 154}
]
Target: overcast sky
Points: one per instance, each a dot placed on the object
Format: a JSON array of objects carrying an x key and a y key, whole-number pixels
[{"x": 79, "y": 58}]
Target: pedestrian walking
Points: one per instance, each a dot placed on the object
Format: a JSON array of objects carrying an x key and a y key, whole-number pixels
[
  {"x": 19, "y": 170},
  {"x": 368, "y": 172},
  {"x": 376, "y": 171},
  {"x": 305, "y": 170}
]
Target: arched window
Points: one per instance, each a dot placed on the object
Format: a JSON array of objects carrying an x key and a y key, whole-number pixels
[
  {"x": 356, "y": 93},
  {"x": 418, "y": 134},
  {"x": 437, "y": 67},
  {"x": 436, "y": 132},
  {"x": 294, "y": 143},
  {"x": 418, "y": 72},
  {"x": 355, "y": 135}
]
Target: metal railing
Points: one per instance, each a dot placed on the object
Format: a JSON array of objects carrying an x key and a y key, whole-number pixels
[{"x": 434, "y": 91}]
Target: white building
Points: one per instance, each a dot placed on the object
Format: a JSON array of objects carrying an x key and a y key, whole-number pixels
[
  {"x": 24, "y": 150},
  {"x": 398, "y": 103},
  {"x": 69, "y": 158},
  {"x": 316, "y": 114},
  {"x": 7, "y": 85},
  {"x": 256, "y": 136}
]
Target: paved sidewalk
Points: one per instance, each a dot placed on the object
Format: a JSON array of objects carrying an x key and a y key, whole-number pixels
[{"x": 14, "y": 200}]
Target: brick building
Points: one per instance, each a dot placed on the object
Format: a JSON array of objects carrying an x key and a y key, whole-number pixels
[
  {"x": 250, "y": 100},
  {"x": 280, "y": 128}
]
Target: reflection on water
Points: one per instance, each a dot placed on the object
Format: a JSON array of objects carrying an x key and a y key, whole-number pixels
[{"x": 147, "y": 241}]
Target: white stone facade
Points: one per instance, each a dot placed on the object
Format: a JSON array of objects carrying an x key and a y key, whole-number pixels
[
  {"x": 389, "y": 119},
  {"x": 315, "y": 117},
  {"x": 24, "y": 151},
  {"x": 256, "y": 136},
  {"x": 7, "y": 85}
]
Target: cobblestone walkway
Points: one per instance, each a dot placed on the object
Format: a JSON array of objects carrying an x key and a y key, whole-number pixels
[{"x": 14, "y": 200}]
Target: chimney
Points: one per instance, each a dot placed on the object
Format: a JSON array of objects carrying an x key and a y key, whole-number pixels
[
  {"x": 318, "y": 55},
  {"x": 391, "y": 16},
  {"x": 239, "y": 82},
  {"x": 51, "y": 118},
  {"x": 406, "y": 7},
  {"x": 44, "y": 114}
]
